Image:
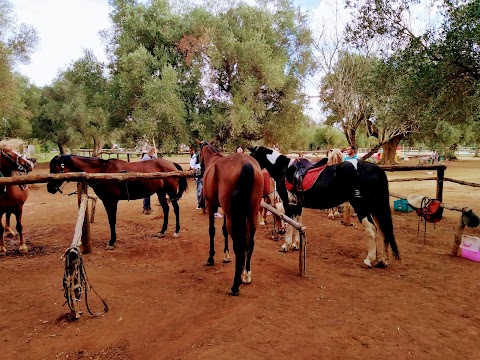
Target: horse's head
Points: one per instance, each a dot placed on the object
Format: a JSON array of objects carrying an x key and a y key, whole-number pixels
[
  {"x": 11, "y": 160},
  {"x": 60, "y": 164},
  {"x": 207, "y": 152}
]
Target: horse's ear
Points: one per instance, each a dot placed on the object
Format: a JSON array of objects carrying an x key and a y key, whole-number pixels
[
  {"x": 252, "y": 149},
  {"x": 198, "y": 141}
]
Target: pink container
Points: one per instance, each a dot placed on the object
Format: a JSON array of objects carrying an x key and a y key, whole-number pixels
[{"x": 470, "y": 248}]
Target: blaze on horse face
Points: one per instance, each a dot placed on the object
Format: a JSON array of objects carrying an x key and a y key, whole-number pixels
[{"x": 16, "y": 160}]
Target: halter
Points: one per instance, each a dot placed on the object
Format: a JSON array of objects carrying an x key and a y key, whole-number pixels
[{"x": 16, "y": 162}]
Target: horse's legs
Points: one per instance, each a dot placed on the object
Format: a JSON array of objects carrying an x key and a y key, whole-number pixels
[
  {"x": 381, "y": 236},
  {"x": 8, "y": 229},
  {"x": 166, "y": 210},
  {"x": 288, "y": 238},
  {"x": 176, "y": 210},
  {"x": 3, "y": 249},
  {"x": 247, "y": 273},
  {"x": 112, "y": 221},
  {"x": 261, "y": 216},
  {"x": 239, "y": 249},
  {"x": 372, "y": 245},
  {"x": 18, "y": 216},
  {"x": 226, "y": 252},
  {"x": 296, "y": 243},
  {"x": 211, "y": 232}
]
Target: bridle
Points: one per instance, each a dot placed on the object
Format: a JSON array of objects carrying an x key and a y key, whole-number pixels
[{"x": 20, "y": 167}]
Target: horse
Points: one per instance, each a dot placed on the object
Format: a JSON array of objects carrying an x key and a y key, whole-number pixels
[
  {"x": 12, "y": 197},
  {"x": 361, "y": 183},
  {"x": 234, "y": 182},
  {"x": 270, "y": 197},
  {"x": 111, "y": 192}
]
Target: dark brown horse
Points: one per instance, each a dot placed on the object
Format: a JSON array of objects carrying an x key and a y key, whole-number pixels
[
  {"x": 235, "y": 183},
  {"x": 12, "y": 197},
  {"x": 111, "y": 192}
]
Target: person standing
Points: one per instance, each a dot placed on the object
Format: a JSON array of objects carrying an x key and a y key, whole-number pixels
[
  {"x": 149, "y": 155},
  {"x": 198, "y": 177},
  {"x": 351, "y": 153}
]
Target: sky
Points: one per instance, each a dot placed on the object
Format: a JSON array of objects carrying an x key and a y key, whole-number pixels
[{"x": 66, "y": 28}]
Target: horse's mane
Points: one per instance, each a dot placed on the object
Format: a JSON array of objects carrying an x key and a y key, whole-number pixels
[{"x": 335, "y": 156}]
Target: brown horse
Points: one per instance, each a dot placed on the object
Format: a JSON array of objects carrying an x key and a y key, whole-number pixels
[
  {"x": 271, "y": 197},
  {"x": 234, "y": 182},
  {"x": 111, "y": 192},
  {"x": 12, "y": 197}
]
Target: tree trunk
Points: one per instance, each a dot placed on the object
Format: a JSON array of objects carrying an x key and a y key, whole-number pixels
[
  {"x": 61, "y": 148},
  {"x": 97, "y": 147},
  {"x": 390, "y": 150},
  {"x": 351, "y": 135}
]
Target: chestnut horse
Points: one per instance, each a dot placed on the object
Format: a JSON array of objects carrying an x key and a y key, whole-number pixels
[
  {"x": 12, "y": 197},
  {"x": 234, "y": 182},
  {"x": 111, "y": 192},
  {"x": 271, "y": 197},
  {"x": 363, "y": 184}
]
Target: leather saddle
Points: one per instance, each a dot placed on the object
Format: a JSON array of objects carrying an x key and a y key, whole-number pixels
[{"x": 302, "y": 174}]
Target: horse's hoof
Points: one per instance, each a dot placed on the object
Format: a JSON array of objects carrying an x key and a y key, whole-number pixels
[
  {"x": 210, "y": 262},
  {"x": 176, "y": 235},
  {"x": 109, "y": 247},
  {"x": 331, "y": 217},
  {"x": 23, "y": 249},
  {"x": 283, "y": 250},
  {"x": 367, "y": 264},
  {"x": 381, "y": 264},
  {"x": 3, "y": 253},
  {"x": 233, "y": 292},
  {"x": 159, "y": 235}
]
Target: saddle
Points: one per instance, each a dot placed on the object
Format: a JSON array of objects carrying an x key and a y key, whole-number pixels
[
  {"x": 302, "y": 174},
  {"x": 429, "y": 209}
]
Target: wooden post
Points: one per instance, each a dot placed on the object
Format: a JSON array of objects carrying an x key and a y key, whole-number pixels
[
  {"x": 303, "y": 253},
  {"x": 440, "y": 179},
  {"x": 128, "y": 157},
  {"x": 458, "y": 236},
  {"x": 347, "y": 214}
]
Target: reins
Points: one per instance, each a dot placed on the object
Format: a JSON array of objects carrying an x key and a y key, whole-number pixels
[{"x": 75, "y": 279}]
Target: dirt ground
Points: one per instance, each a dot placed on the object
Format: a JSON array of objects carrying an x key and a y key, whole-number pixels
[{"x": 166, "y": 304}]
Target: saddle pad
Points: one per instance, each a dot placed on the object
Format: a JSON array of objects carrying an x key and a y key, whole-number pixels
[
  {"x": 308, "y": 180},
  {"x": 266, "y": 182}
]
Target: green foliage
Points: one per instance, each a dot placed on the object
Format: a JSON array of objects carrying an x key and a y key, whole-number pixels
[{"x": 16, "y": 44}]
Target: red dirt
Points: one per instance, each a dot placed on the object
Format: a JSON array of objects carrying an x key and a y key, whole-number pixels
[{"x": 166, "y": 304}]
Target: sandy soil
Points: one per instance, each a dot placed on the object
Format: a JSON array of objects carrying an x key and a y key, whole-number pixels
[{"x": 166, "y": 304}]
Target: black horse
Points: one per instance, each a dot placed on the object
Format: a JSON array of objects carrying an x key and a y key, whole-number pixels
[
  {"x": 361, "y": 183},
  {"x": 111, "y": 192}
]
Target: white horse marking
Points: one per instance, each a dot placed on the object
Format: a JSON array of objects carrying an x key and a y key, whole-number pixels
[
  {"x": 354, "y": 163},
  {"x": 273, "y": 156},
  {"x": 372, "y": 245}
]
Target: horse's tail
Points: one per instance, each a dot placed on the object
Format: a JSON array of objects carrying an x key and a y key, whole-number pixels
[
  {"x": 241, "y": 202},
  {"x": 182, "y": 183},
  {"x": 384, "y": 216}
]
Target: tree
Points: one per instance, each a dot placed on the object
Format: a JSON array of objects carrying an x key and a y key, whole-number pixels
[
  {"x": 16, "y": 44},
  {"x": 438, "y": 69},
  {"x": 342, "y": 94}
]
